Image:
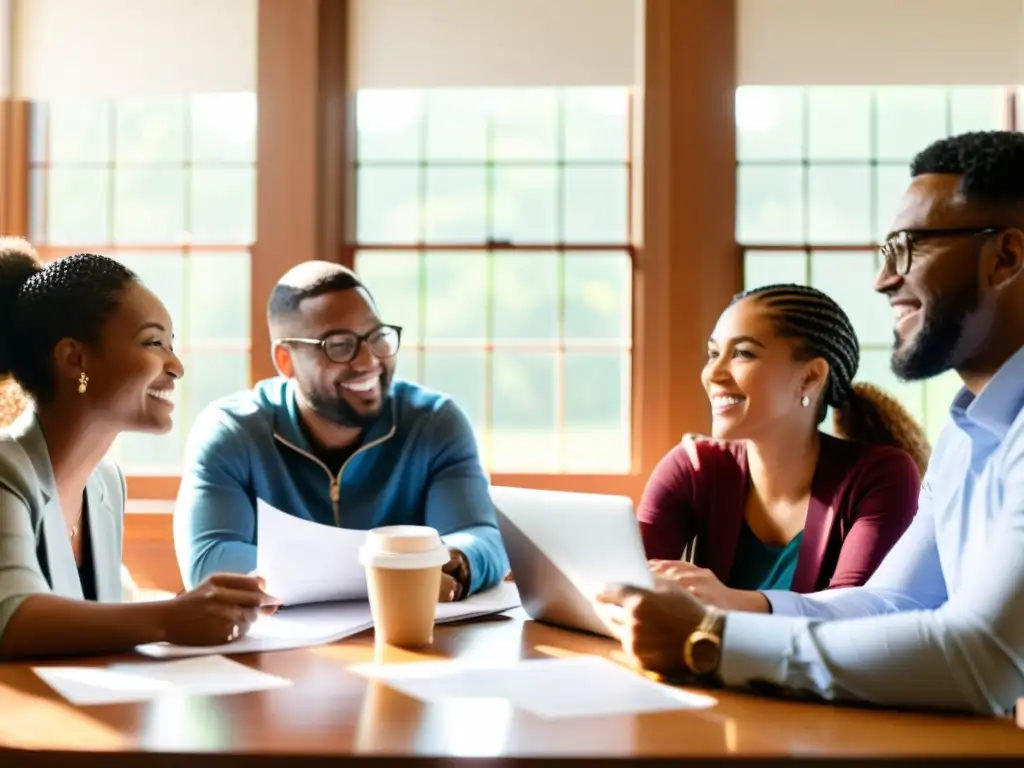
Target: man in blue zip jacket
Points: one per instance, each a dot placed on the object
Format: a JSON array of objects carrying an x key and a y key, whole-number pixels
[{"x": 335, "y": 439}]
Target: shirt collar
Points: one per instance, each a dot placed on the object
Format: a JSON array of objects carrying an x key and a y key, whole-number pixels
[{"x": 996, "y": 408}]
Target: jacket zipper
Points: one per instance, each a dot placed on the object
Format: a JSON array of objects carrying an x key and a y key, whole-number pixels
[{"x": 335, "y": 482}]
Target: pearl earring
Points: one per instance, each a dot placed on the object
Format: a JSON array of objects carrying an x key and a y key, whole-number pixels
[
  {"x": 83, "y": 382},
  {"x": 805, "y": 401}
]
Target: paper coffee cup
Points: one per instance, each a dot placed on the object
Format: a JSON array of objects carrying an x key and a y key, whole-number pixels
[{"x": 403, "y": 578}]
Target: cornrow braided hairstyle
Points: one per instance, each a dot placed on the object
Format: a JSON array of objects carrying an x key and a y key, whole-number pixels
[
  {"x": 70, "y": 298},
  {"x": 861, "y": 412}
]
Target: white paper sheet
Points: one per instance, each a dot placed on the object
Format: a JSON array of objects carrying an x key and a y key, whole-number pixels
[
  {"x": 141, "y": 681},
  {"x": 306, "y": 562},
  {"x": 582, "y": 686},
  {"x": 306, "y": 625}
]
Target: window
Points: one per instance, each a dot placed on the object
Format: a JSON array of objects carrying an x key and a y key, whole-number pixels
[
  {"x": 493, "y": 225},
  {"x": 820, "y": 170},
  {"x": 166, "y": 186}
]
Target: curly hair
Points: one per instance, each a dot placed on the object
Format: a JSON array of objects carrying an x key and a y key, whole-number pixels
[
  {"x": 990, "y": 164},
  {"x": 70, "y": 298},
  {"x": 861, "y": 412},
  {"x": 873, "y": 415}
]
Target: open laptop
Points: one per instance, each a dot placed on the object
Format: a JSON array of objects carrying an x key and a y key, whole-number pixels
[{"x": 564, "y": 547}]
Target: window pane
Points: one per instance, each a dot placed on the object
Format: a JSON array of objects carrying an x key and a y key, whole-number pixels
[
  {"x": 598, "y": 297},
  {"x": 218, "y": 298},
  {"x": 762, "y": 268},
  {"x": 224, "y": 128},
  {"x": 597, "y": 408},
  {"x": 164, "y": 275},
  {"x": 525, "y": 124},
  {"x": 209, "y": 375},
  {"x": 394, "y": 280},
  {"x": 463, "y": 376},
  {"x": 977, "y": 108},
  {"x": 596, "y": 205},
  {"x": 389, "y": 124},
  {"x": 526, "y": 296},
  {"x": 839, "y": 204},
  {"x": 456, "y": 125},
  {"x": 849, "y": 277},
  {"x": 770, "y": 204},
  {"x": 524, "y": 409},
  {"x": 78, "y": 206},
  {"x": 939, "y": 394},
  {"x": 37, "y": 180},
  {"x": 80, "y": 131},
  {"x": 525, "y": 204},
  {"x": 839, "y": 120},
  {"x": 596, "y": 123},
  {"x": 769, "y": 123},
  {"x": 388, "y": 205},
  {"x": 875, "y": 369},
  {"x": 455, "y": 204},
  {"x": 223, "y": 205},
  {"x": 150, "y": 131},
  {"x": 891, "y": 181},
  {"x": 149, "y": 205},
  {"x": 144, "y": 454},
  {"x": 39, "y": 127},
  {"x": 457, "y": 296},
  {"x": 909, "y": 118}
]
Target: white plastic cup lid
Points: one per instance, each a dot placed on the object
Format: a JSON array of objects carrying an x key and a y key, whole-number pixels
[{"x": 403, "y": 546}]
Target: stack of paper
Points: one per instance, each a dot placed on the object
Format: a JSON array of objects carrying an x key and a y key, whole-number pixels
[{"x": 315, "y": 571}]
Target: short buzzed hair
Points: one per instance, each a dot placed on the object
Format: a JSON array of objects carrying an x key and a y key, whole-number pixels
[
  {"x": 990, "y": 164},
  {"x": 307, "y": 281}
]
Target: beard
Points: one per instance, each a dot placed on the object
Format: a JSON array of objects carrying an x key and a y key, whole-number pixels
[
  {"x": 336, "y": 409},
  {"x": 933, "y": 350}
]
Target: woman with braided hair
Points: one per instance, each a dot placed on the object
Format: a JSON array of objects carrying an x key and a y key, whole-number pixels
[
  {"x": 92, "y": 347},
  {"x": 770, "y": 502}
]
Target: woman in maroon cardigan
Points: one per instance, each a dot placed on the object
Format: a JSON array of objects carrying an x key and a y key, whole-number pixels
[{"x": 771, "y": 502}]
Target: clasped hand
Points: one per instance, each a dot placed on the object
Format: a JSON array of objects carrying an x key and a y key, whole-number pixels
[{"x": 652, "y": 625}]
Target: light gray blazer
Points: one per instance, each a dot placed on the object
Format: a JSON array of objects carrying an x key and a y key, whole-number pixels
[{"x": 35, "y": 551}]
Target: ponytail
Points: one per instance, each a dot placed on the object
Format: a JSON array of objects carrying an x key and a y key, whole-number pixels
[{"x": 870, "y": 415}]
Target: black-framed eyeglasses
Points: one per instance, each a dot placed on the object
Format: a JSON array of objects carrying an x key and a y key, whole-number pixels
[
  {"x": 343, "y": 346},
  {"x": 898, "y": 251}
]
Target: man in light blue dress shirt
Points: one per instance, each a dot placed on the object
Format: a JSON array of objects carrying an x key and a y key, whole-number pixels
[{"x": 941, "y": 622}]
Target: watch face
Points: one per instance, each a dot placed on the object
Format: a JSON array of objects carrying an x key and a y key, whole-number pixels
[{"x": 704, "y": 654}]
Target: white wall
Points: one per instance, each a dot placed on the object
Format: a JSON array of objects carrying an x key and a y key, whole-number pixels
[
  {"x": 881, "y": 42},
  {"x": 6, "y": 51},
  {"x": 423, "y": 43},
  {"x": 123, "y": 48}
]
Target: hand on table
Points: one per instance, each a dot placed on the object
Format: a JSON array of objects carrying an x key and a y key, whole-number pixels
[
  {"x": 454, "y": 574},
  {"x": 652, "y": 625},
  {"x": 219, "y": 610},
  {"x": 705, "y": 586}
]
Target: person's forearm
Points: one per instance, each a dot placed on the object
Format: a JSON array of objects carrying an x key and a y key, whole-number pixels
[
  {"x": 748, "y": 600},
  {"x": 218, "y": 557},
  {"x": 45, "y": 625}
]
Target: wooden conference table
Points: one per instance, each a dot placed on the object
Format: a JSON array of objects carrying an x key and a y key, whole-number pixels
[{"x": 329, "y": 713}]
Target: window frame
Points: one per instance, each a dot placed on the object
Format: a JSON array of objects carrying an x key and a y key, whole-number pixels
[
  {"x": 808, "y": 248},
  {"x": 150, "y": 486},
  {"x": 622, "y": 482}
]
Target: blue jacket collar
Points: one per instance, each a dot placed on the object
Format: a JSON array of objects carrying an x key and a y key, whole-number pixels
[{"x": 288, "y": 420}]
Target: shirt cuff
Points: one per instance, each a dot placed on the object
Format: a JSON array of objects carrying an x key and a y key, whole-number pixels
[
  {"x": 756, "y": 647},
  {"x": 783, "y": 603}
]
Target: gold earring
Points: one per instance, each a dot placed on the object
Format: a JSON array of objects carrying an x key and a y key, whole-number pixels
[{"x": 83, "y": 383}]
